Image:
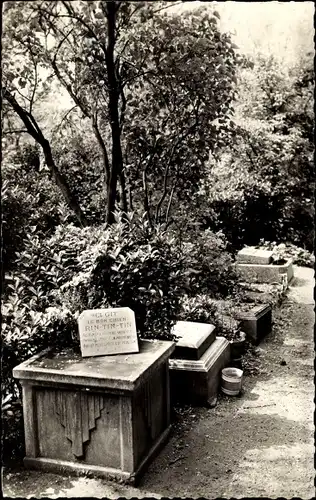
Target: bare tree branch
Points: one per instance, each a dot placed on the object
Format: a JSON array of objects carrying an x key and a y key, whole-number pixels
[
  {"x": 35, "y": 132},
  {"x": 35, "y": 79},
  {"x": 103, "y": 149},
  {"x": 165, "y": 181},
  {"x": 16, "y": 131},
  {"x": 170, "y": 201}
]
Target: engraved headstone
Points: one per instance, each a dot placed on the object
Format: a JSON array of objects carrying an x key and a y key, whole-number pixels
[{"x": 107, "y": 331}]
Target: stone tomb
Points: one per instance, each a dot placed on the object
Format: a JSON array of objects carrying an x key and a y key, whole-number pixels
[
  {"x": 270, "y": 273},
  {"x": 257, "y": 266},
  {"x": 256, "y": 323},
  {"x": 197, "y": 361},
  {"x": 253, "y": 255},
  {"x": 107, "y": 331},
  {"x": 104, "y": 415}
]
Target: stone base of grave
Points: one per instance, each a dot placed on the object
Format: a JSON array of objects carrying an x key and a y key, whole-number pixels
[
  {"x": 265, "y": 273},
  {"x": 256, "y": 323},
  {"x": 198, "y": 381},
  {"x": 78, "y": 469},
  {"x": 106, "y": 415}
]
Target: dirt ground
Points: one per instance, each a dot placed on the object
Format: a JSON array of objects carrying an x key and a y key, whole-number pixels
[{"x": 260, "y": 444}]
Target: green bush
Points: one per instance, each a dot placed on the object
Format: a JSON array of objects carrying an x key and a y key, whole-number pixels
[
  {"x": 30, "y": 201},
  {"x": 300, "y": 256},
  {"x": 201, "y": 309},
  {"x": 130, "y": 266},
  {"x": 209, "y": 267},
  {"x": 122, "y": 265},
  {"x": 15, "y": 210}
]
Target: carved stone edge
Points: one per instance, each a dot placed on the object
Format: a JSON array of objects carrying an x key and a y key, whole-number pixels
[
  {"x": 55, "y": 376},
  {"x": 194, "y": 345},
  {"x": 254, "y": 314},
  {"x": 206, "y": 361},
  {"x": 62, "y": 466},
  {"x": 281, "y": 268}
]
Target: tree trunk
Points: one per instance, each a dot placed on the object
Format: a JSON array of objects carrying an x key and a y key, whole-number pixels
[
  {"x": 62, "y": 183},
  {"x": 34, "y": 130},
  {"x": 114, "y": 94},
  {"x": 103, "y": 151},
  {"x": 123, "y": 193}
]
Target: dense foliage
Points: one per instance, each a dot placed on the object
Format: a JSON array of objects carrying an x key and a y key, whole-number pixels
[
  {"x": 155, "y": 89},
  {"x": 263, "y": 186}
]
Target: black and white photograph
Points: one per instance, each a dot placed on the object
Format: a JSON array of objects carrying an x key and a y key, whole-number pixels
[{"x": 157, "y": 249}]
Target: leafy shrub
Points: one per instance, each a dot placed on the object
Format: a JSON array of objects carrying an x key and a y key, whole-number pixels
[
  {"x": 12, "y": 429},
  {"x": 300, "y": 256},
  {"x": 209, "y": 267},
  {"x": 129, "y": 266},
  {"x": 29, "y": 201},
  {"x": 15, "y": 210},
  {"x": 200, "y": 308}
]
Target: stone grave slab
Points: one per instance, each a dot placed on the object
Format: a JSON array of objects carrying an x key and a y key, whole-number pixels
[
  {"x": 106, "y": 415},
  {"x": 107, "y": 331},
  {"x": 193, "y": 339},
  {"x": 198, "y": 381},
  {"x": 256, "y": 323},
  {"x": 253, "y": 255}
]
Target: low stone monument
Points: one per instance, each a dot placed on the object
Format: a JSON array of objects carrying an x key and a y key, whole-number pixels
[
  {"x": 257, "y": 322},
  {"x": 259, "y": 266},
  {"x": 197, "y": 361},
  {"x": 99, "y": 414},
  {"x": 253, "y": 255}
]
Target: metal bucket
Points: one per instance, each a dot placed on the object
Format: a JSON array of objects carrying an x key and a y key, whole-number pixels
[{"x": 231, "y": 381}]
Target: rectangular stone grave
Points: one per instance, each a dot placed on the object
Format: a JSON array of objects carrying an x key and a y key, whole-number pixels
[
  {"x": 256, "y": 323},
  {"x": 105, "y": 415},
  {"x": 198, "y": 381},
  {"x": 253, "y": 255},
  {"x": 265, "y": 273},
  {"x": 107, "y": 331},
  {"x": 193, "y": 339}
]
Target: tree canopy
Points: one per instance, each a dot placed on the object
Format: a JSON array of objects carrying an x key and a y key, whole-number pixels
[{"x": 156, "y": 89}]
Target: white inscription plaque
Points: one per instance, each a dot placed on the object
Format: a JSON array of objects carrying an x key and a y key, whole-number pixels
[{"x": 107, "y": 331}]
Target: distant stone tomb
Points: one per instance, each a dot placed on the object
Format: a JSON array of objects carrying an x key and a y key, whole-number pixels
[
  {"x": 107, "y": 331},
  {"x": 258, "y": 266},
  {"x": 253, "y": 255},
  {"x": 256, "y": 323}
]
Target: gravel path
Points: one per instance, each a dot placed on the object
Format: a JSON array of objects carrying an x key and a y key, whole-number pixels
[{"x": 260, "y": 444}]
